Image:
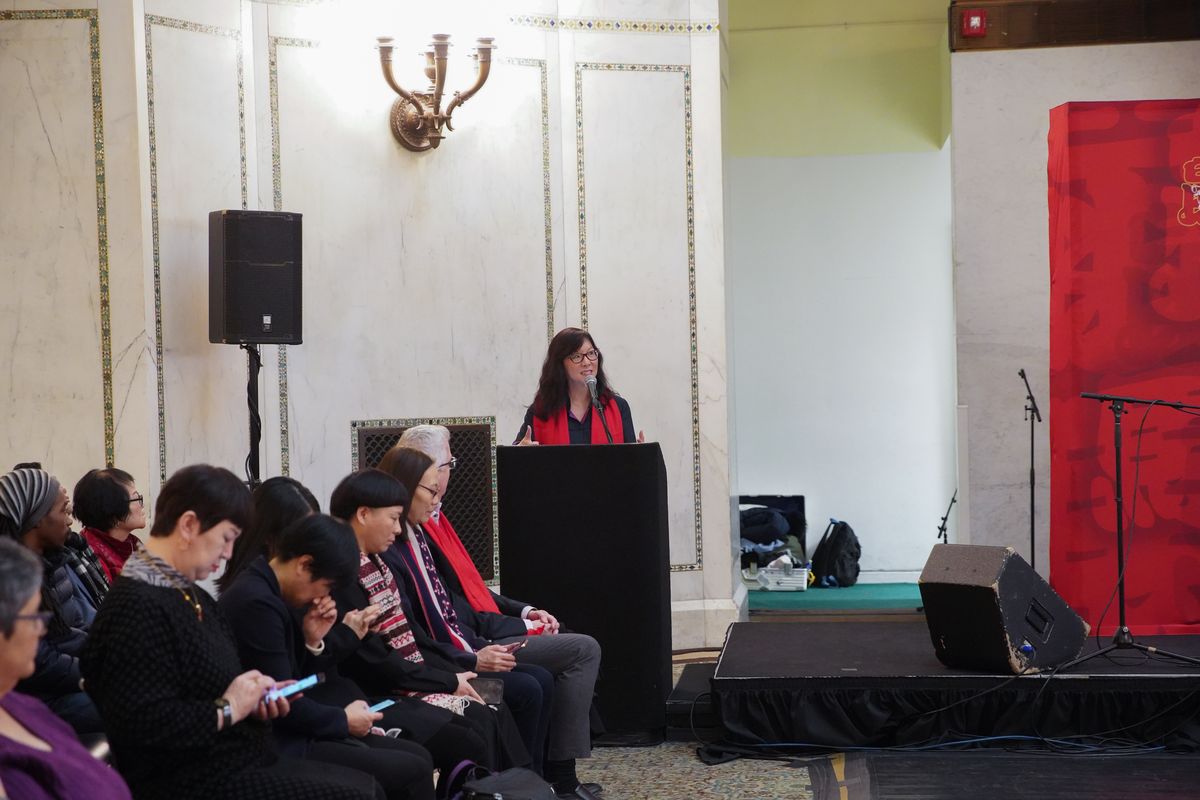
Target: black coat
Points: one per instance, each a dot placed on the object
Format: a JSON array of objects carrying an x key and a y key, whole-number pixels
[
  {"x": 270, "y": 640},
  {"x": 374, "y": 665},
  {"x": 484, "y": 626},
  {"x": 56, "y": 666}
]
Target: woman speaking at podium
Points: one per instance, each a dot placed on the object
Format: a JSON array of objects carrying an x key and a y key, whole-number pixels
[{"x": 574, "y": 403}]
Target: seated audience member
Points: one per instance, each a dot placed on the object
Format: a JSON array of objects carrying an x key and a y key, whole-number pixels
[
  {"x": 83, "y": 566},
  {"x": 447, "y": 737},
  {"x": 528, "y": 688},
  {"x": 40, "y": 758},
  {"x": 436, "y": 586},
  {"x": 278, "y": 502},
  {"x": 389, "y": 659},
  {"x": 109, "y": 506},
  {"x": 183, "y": 718},
  {"x": 313, "y": 555},
  {"x": 36, "y": 512}
]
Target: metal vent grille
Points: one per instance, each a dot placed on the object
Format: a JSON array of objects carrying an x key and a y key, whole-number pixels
[{"x": 470, "y": 503}]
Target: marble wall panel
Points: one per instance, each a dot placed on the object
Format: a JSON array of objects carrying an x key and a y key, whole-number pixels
[
  {"x": 53, "y": 252},
  {"x": 425, "y": 274},
  {"x": 637, "y": 270},
  {"x": 197, "y": 139}
]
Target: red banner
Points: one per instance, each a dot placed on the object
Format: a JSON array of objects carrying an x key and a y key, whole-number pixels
[{"x": 1125, "y": 320}]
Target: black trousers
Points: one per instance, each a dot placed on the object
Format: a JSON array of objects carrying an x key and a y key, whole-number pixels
[{"x": 404, "y": 769}]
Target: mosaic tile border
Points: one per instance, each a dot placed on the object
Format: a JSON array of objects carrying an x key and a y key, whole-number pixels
[
  {"x": 92, "y": 17},
  {"x": 273, "y": 45},
  {"x": 184, "y": 25},
  {"x": 408, "y": 422},
  {"x": 544, "y": 83},
  {"x": 675, "y": 27},
  {"x": 686, "y": 72}
]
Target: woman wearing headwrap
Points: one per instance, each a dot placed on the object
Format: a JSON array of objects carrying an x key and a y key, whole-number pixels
[{"x": 36, "y": 512}]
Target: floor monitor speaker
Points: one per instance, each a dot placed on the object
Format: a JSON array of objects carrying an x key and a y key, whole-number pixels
[
  {"x": 987, "y": 609},
  {"x": 254, "y": 292}
]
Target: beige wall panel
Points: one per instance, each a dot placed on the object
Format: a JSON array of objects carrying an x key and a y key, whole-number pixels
[
  {"x": 50, "y": 266},
  {"x": 196, "y": 166}
]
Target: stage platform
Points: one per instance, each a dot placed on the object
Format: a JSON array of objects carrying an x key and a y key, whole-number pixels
[{"x": 878, "y": 684}]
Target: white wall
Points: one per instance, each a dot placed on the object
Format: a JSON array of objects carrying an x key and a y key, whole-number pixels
[
  {"x": 431, "y": 279},
  {"x": 843, "y": 321},
  {"x": 1001, "y": 113}
]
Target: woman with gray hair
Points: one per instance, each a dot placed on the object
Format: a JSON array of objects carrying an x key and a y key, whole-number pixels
[{"x": 40, "y": 758}]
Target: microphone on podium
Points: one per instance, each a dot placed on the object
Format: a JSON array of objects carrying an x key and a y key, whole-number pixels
[{"x": 591, "y": 384}]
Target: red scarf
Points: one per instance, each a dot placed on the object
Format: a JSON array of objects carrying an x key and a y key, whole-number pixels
[
  {"x": 444, "y": 536},
  {"x": 555, "y": 431},
  {"x": 112, "y": 553}
]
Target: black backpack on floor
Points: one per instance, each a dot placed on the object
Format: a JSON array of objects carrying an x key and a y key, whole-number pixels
[{"x": 835, "y": 561}]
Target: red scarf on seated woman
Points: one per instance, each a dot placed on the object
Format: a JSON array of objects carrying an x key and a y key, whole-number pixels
[
  {"x": 445, "y": 537},
  {"x": 555, "y": 431}
]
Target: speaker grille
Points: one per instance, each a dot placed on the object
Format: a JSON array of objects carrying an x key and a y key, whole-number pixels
[
  {"x": 254, "y": 277},
  {"x": 470, "y": 503}
]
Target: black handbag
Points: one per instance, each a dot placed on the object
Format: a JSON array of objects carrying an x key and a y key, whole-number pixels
[{"x": 470, "y": 781}]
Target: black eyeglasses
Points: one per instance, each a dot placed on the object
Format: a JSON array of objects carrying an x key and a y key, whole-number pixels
[
  {"x": 431, "y": 490},
  {"x": 590, "y": 355},
  {"x": 451, "y": 464},
  {"x": 42, "y": 617},
  {"x": 137, "y": 498}
]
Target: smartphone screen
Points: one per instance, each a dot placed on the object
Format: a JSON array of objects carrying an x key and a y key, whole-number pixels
[
  {"x": 382, "y": 704},
  {"x": 298, "y": 686}
]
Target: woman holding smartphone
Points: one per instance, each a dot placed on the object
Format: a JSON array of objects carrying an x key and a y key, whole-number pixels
[
  {"x": 312, "y": 556},
  {"x": 184, "y": 719}
]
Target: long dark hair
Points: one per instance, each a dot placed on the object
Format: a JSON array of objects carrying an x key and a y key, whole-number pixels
[
  {"x": 552, "y": 386},
  {"x": 278, "y": 502},
  {"x": 407, "y": 465}
]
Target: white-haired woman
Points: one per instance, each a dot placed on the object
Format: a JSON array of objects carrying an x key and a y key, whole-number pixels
[{"x": 40, "y": 758}]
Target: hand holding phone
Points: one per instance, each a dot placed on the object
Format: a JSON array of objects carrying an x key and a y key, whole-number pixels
[
  {"x": 381, "y": 705},
  {"x": 514, "y": 647},
  {"x": 292, "y": 688}
]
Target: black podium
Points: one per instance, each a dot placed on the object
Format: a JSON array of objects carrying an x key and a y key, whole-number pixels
[{"x": 583, "y": 533}]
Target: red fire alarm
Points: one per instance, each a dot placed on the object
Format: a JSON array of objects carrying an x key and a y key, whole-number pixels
[{"x": 974, "y": 23}]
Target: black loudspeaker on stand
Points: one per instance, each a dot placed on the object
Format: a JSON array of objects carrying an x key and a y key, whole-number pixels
[
  {"x": 254, "y": 294},
  {"x": 987, "y": 609}
]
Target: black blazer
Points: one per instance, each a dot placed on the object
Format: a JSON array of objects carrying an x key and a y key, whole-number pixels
[
  {"x": 485, "y": 626},
  {"x": 374, "y": 665},
  {"x": 270, "y": 639}
]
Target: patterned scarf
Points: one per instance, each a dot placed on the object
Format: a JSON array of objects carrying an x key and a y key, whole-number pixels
[
  {"x": 112, "y": 553},
  {"x": 83, "y": 561},
  {"x": 380, "y": 585},
  {"x": 441, "y": 620}
]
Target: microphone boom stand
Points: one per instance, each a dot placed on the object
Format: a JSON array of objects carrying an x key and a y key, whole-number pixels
[
  {"x": 941, "y": 534},
  {"x": 1123, "y": 638},
  {"x": 1034, "y": 416}
]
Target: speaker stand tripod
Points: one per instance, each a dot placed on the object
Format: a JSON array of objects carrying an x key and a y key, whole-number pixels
[
  {"x": 253, "y": 365},
  {"x": 1123, "y": 638}
]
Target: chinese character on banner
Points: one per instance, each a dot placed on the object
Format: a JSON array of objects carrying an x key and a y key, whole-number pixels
[{"x": 1189, "y": 211}]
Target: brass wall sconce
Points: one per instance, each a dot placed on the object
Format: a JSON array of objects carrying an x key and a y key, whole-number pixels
[{"x": 417, "y": 117}]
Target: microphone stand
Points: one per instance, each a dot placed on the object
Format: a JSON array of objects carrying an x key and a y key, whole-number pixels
[
  {"x": 1123, "y": 638},
  {"x": 1034, "y": 416},
  {"x": 941, "y": 534},
  {"x": 598, "y": 410}
]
